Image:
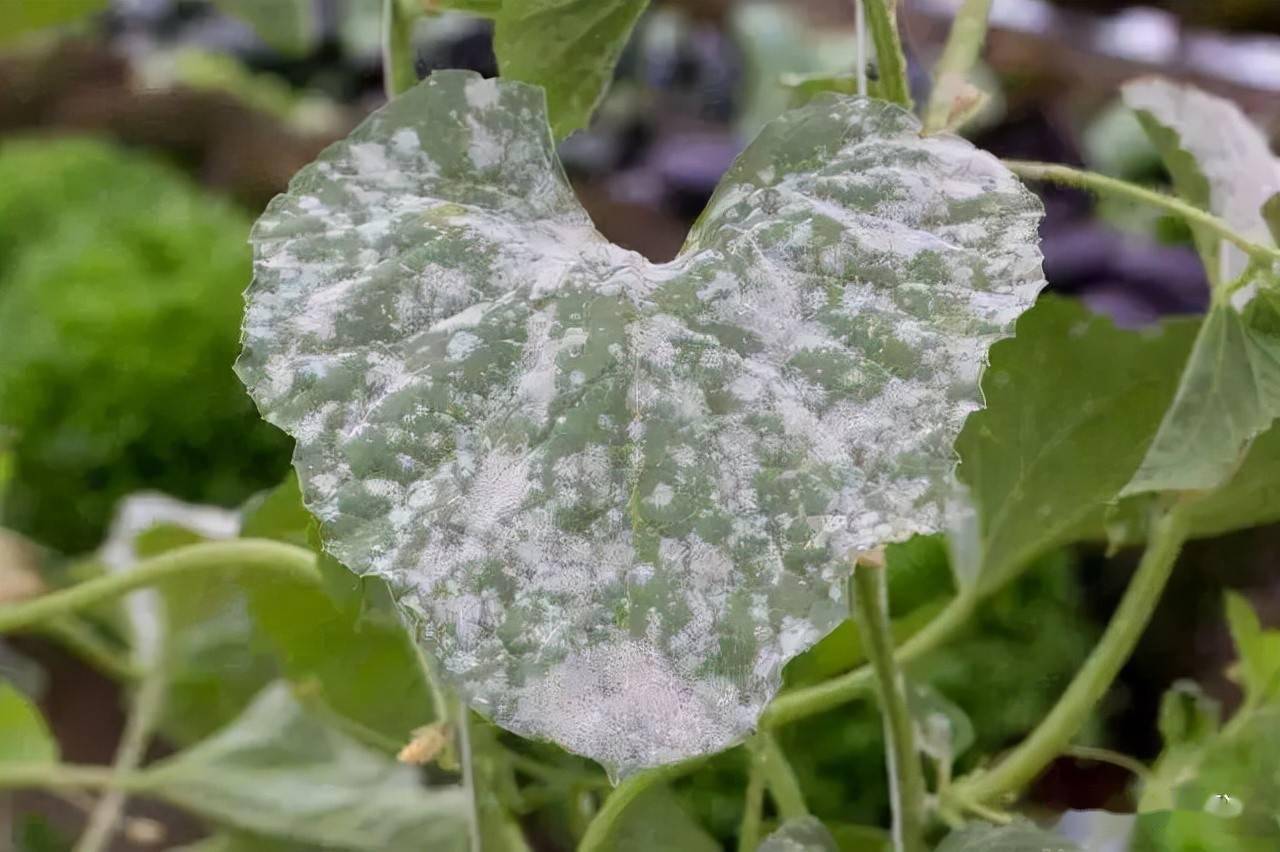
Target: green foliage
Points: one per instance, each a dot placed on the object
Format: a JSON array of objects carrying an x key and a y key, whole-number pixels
[
  {"x": 119, "y": 304},
  {"x": 278, "y": 770},
  {"x": 568, "y": 47},
  {"x": 289, "y": 26},
  {"x": 1021, "y": 836},
  {"x": 24, "y": 737},
  {"x": 656, "y": 820},
  {"x": 805, "y": 834},
  {"x": 21, "y": 17}
]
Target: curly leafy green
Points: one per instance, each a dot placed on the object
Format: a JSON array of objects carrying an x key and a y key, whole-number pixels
[{"x": 619, "y": 495}]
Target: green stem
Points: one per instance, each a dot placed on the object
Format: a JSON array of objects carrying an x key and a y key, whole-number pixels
[
  {"x": 906, "y": 775},
  {"x": 81, "y": 639},
  {"x": 1114, "y": 758},
  {"x": 147, "y": 705},
  {"x": 240, "y": 555},
  {"x": 1054, "y": 733},
  {"x": 860, "y": 46},
  {"x": 780, "y": 777},
  {"x": 890, "y": 60},
  {"x": 1103, "y": 185},
  {"x": 463, "y": 724},
  {"x": 399, "y": 72},
  {"x": 753, "y": 806},
  {"x": 809, "y": 701},
  {"x": 61, "y": 776},
  {"x": 968, "y": 32}
]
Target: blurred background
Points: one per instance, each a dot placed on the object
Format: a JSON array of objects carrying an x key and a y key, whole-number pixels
[{"x": 139, "y": 139}]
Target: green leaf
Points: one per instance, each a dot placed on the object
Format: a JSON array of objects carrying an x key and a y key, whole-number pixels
[
  {"x": 806, "y": 834},
  {"x": 568, "y": 47},
  {"x": 280, "y": 771},
  {"x": 656, "y": 820},
  {"x": 289, "y": 26},
  {"x": 617, "y": 495},
  {"x": 1199, "y": 831},
  {"x": 1271, "y": 215},
  {"x": 1228, "y": 395},
  {"x": 1071, "y": 402},
  {"x": 19, "y": 17},
  {"x": 1258, "y": 649},
  {"x": 24, "y": 736},
  {"x": 1021, "y": 836},
  {"x": 1218, "y": 159},
  {"x": 361, "y": 662},
  {"x": 1251, "y": 498}
]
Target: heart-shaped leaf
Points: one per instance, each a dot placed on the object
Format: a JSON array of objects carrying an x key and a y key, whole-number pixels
[{"x": 617, "y": 495}]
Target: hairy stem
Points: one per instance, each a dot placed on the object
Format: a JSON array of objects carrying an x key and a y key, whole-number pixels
[
  {"x": 399, "y": 71},
  {"x": 1103, "y": 185},
  {"x": 906, "y": 775},
  {"x": 890, "y": 60},
  {"x": 1055, "y": 731},
  {"x": 968, "y": 32},
  {"x": 241, "y": 555},
  {"x": 784, "y": 789},
  {"x": 809, "y": 701},
  {"x": 147, "y": 704}
]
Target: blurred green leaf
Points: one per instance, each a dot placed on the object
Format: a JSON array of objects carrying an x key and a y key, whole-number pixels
[
  {"x": 289, "y": 26},
  {"x": 806, "y": 834},
  {"x": 569, "y": 47},
  {"x": 1271, "y": 214},
  {"x": 34, "y": 833},
  {"x": 1258, "y": 649},
  {"x": 280, "y": 771},
  {"x": 1019, "y": 836},
  {"x": 944, "y": 731},
  {"x": 19, "y": 17},
  {"x": 24, "y": 736},
  {"x": 1198, "y": 831}
]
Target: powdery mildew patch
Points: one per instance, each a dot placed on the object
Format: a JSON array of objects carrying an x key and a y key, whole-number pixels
[{"x": 617, "y": 496}]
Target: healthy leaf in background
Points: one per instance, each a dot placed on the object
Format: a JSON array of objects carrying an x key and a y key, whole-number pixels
[
  {"x": 569, "y": 47},
  {"x": 288, "y": 26},
  {"x": 24, "y": 736},
  {"x": 806, "y": 834},
  {"x": 1228, "y": 772},
  {"x": 620, "y": 496},
  {"x": 20, "y": 17},
  {"x": 1020, "y": 836},
  {"x": 1071, "y": 403},
  {"x": 280, "y": 771},
  {"x": 1219, "y": 162},
  {"x": 656, "y": 820},
  {"x": 1271, "y": 214},
  {"x": 120, "y": 289}
]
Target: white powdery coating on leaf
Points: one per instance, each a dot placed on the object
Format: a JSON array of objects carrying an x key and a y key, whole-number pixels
[{"x": 616, "y": 496}]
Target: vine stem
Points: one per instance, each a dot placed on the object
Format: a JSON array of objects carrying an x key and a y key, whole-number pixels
[
  {"x": 239, "y": 555},
  {"x": 147, "y": 705},
  {"x": 801, "y": 703},
  {"x": 1052, "y": 736},
  {"x": 890, "y": 60},
  {"x": 860, "y": 47},
  {"x": 61, "y": 776},
  {"x": 964, "y": 43},
  {"x": 1103, "y": 185},
  {"x": 906, "y": 775},
  {"x": 780, "y": 777},
  {"x": 753, "y": 805}
]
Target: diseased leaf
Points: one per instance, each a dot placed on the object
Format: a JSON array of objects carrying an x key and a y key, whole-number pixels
[
  {"x": 24, "y": 736},
  {"x": 1218, "y": 159},
  {"x": 619, "y": 495},
  {"x": 279, "y": 771},
  {"x": 806, "y": 834},
  {"x": 569, "y": 47},
  {"x": 1071, "y": 403},
  {"x": 1228, "y": 395},
  {"x": 1021, "y": 836}
]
